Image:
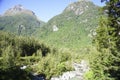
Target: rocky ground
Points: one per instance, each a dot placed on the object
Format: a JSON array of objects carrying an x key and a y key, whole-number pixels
[{"x": 77, "y": 74}]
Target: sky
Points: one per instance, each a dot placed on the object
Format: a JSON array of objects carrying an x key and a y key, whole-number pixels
[{"x": 44, "y": 9}]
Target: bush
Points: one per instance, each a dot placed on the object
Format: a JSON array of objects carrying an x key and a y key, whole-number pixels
[
  {"x": 9, "y": 57},
  {"x": 26, "y": 46},
  {"x": 54, "y": 64},
  {"x": 89, "y": 75}
]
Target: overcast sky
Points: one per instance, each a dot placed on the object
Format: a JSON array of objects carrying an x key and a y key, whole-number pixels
[{"x": 44, "y": 9}]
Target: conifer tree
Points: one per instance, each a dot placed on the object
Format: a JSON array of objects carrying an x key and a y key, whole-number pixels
[{"x": 108, "y": 37}]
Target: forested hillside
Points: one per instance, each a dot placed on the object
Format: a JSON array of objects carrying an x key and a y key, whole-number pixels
[{"x": 73, "y": 28}]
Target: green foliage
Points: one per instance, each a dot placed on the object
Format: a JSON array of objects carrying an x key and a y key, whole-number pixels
[
  {"x": 53, "y": 64},
  {"x": 101, "y": 38},
  {"x": 17, "y": 51},
  {"x": 25, "y": 46},
  {"x": 10, "y": 58},
  {"x": 89, "y": 75},
  {"x": 106, "y": 64},
  {"x": 100, "y": 66}
]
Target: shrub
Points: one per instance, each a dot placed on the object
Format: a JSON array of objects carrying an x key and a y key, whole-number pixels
[
  {"x": 89, "y": 75},
  {"x": 9, "y": 57}
]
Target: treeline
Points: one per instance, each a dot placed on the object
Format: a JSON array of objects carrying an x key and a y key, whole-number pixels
[{"x": 24, "y": 46}]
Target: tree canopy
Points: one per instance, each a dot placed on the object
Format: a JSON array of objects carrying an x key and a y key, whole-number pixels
[{"x": 108, "y": 41}]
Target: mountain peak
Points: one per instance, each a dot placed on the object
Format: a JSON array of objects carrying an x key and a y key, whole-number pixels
[
  {"x": 85, "y": 0},
  {"x": 79, "y": 7},
  {"x": 18, "y": 9}
]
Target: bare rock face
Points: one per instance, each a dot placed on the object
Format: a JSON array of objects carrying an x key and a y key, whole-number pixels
[
  {"x": 78, "y": 7},
  {"x": 18, "y": 9},
  {"x": 55, "y": 28}
]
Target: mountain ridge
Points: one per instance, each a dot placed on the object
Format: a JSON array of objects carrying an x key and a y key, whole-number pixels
[
  {"x": 18, "y": 9},
  {"x": 20, "y": 21},
  {"x": 71, "y": 28}
]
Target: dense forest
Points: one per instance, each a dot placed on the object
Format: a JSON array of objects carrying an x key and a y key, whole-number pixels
[{"x": 18, "y": 51}]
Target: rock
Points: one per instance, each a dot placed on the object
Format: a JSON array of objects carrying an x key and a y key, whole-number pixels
[
  {"x": 78, "y": 7},
  {"x": 18, "y": 9},
  {"x": 55, "y": 78},
  {"x": 55, "y": 28},
  {"x": 80, "y": 69},
  {"x": 23, "y": 67},
  {"x": 38, "y": 76}
]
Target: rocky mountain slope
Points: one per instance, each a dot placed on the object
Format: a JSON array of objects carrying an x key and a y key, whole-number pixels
[
  {"x": 20, "y": 21},
  {"x": 74, "y": 27},
  {"x": 18, "y": 9}
]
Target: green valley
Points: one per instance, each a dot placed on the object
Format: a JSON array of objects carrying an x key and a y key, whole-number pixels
[{"x": 80, "y": 43}]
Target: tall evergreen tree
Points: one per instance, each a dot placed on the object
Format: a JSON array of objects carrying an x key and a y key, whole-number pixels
[
  {"x": 108, "y": 38},
  {"x": 111, "y": 26}
]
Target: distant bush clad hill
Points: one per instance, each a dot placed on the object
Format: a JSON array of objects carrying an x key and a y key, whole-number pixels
[
  {"x": 75, "y": 26},
  {"x": 20, "y": 21}
]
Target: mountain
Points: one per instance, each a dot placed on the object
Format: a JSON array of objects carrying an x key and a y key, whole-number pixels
[
  {"x": 20, "y": 21},
  {"x": 73, "y": 28},
  {"x": 18, "y": 9}
]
